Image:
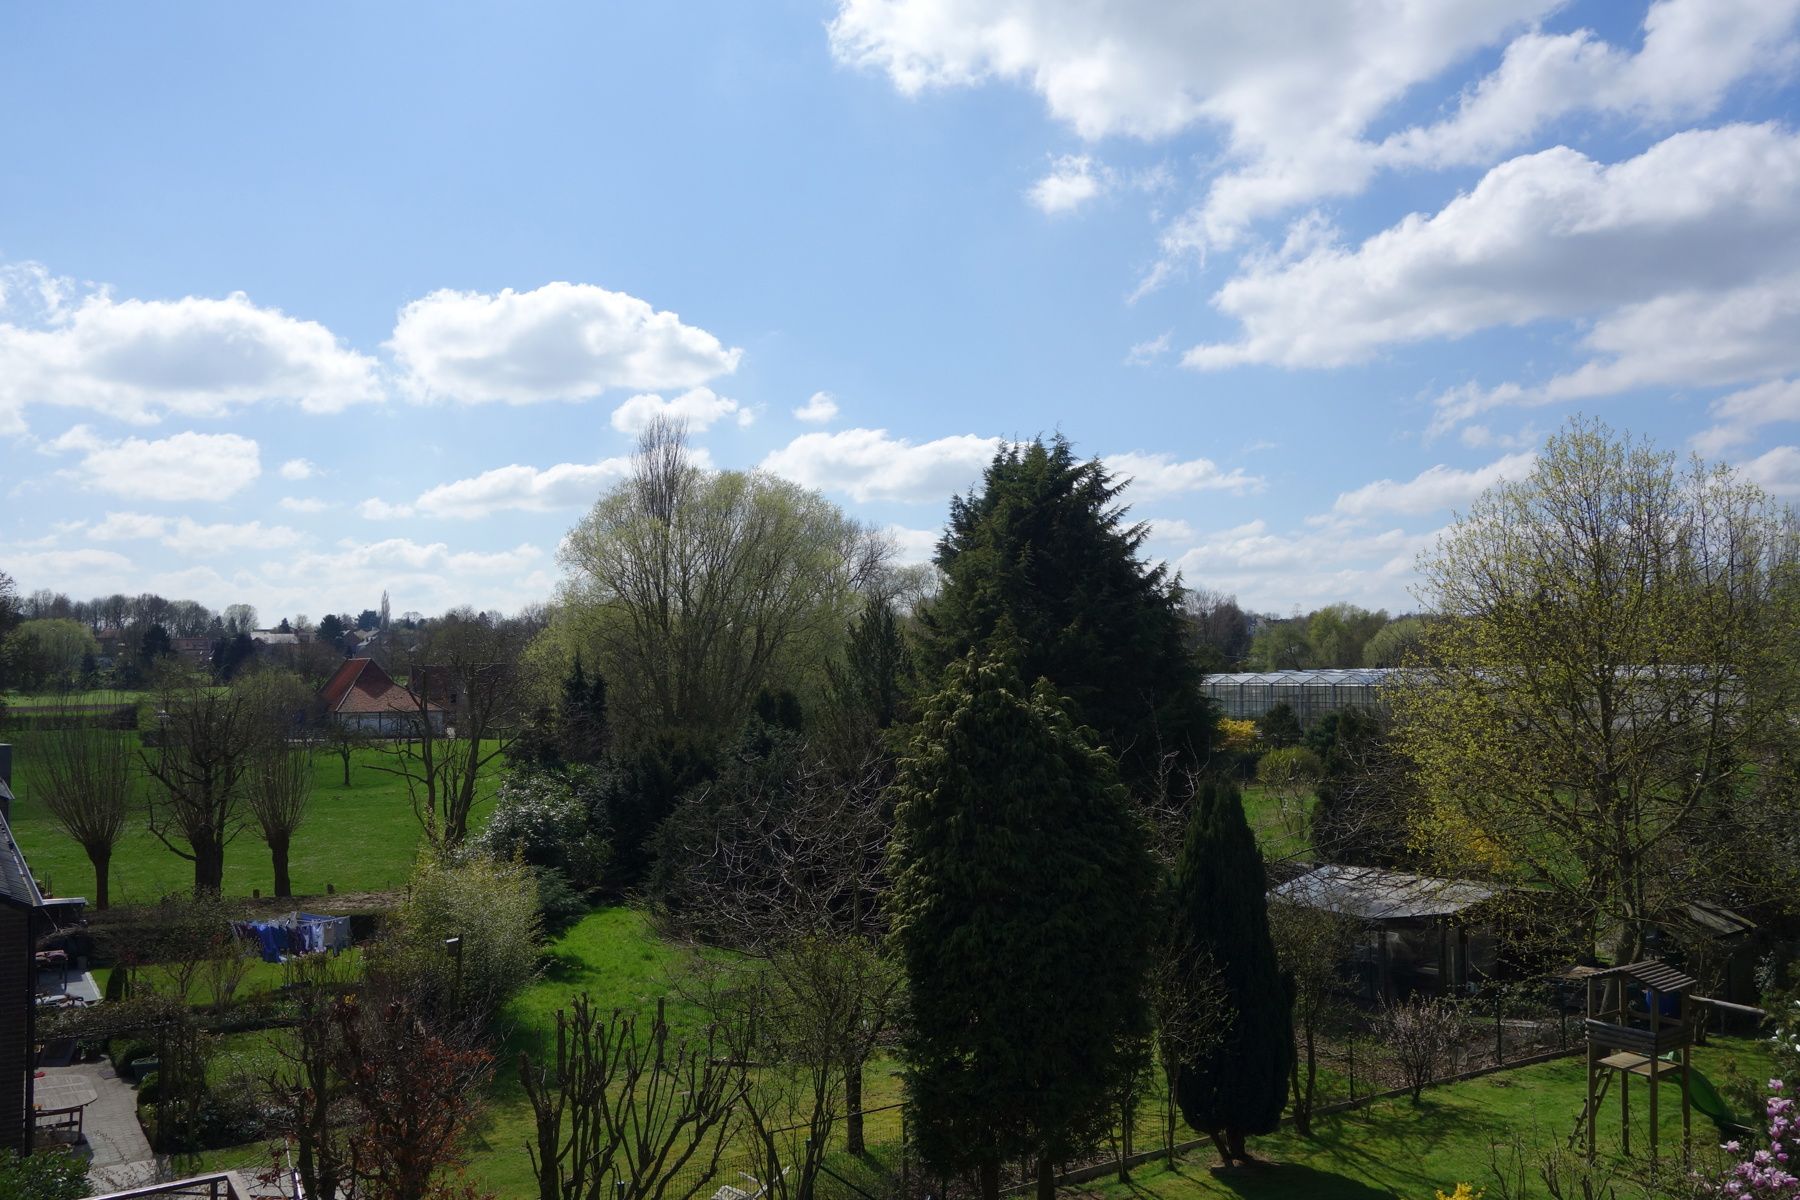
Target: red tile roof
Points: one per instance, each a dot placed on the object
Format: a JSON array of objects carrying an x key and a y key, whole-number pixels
[{"x": 361, "y": 686}]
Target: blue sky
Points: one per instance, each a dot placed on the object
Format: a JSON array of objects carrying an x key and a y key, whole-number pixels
[{"x": 301, "y": 303}]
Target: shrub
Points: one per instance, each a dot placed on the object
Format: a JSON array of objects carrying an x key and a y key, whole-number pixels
[
  {"x": 492, "y": 907},
  {"x": 1236, "y": 735},
  {"x": 559, "y": 904},
  {"x": 42, "y": 1176},
  {"x": 1763, "y": 1174},
  {"x": 127, "y": 1052},
  {"x": 1420, "y": 1033},
  {"x": 552, "y": 819}
]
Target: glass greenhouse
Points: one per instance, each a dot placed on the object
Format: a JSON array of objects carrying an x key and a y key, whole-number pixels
[{"x": 1311, "y": 694}]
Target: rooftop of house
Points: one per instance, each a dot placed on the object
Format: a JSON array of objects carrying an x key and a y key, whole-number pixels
[
  {"x": 361, "y": 686},
  {"x": 16, "y": 883}
]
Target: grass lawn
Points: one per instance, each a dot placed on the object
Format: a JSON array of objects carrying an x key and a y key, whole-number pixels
[
  {"x": 21, "y": 702},
  {"x": 1281, "y": 829},
  {"x": 356, "y": 838},
  {"x": 616, "y": 957},
  {"x": 1392, "y": 1149}
]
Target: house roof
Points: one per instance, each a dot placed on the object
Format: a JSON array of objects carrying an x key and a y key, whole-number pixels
[
  {"x": 16, "y": 883},
  {"x": 361, "y": 686},
  {"x": 1374, "y": 895}
]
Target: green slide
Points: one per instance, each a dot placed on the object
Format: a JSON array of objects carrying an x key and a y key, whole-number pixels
[{"x": 1706, "y": 1100}]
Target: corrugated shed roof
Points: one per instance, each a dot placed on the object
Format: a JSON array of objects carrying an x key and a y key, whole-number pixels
[
  {"x": 1370, "y": 894},
  {"x": 1366, "y": 676}
]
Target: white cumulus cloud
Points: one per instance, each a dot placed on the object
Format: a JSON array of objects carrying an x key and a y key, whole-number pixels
[
  {"x": 1776, "y": 471},
  {"x": 1738, "y": 416},
  {"x": 819, "y": 408},
  {"x": 139, "y": 360},
  {"x": 1432, "y": 490},
  {"x": 870, "y": 464},
  {"x": 1157, "y": 475},
  {"x": 530, "y": 489},
  {"x": 298, "y": 468},
  {"x": 698, "y": 408},
  {"x": 184, "y": 466},
  {"x": 1546, "y": 235},
  {"x": 562, "y": 341},
  {"x": 1073, "y": 180}
]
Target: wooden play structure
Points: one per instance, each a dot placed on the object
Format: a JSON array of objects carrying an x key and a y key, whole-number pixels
[{"x": 1642, "y": 1026}]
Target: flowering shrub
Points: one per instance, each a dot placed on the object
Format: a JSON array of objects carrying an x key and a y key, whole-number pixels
[
  {"x": 1786, "y": 1040},
  {"x": 1463, "y": 1192},
  {"x": 1765, "y": 1174}
]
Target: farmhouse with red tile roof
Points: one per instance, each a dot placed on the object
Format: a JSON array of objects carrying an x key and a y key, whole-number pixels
[{"x": 363, "y": 697}]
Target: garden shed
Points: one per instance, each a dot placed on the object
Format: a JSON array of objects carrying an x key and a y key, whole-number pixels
[{"x": 1425, "y": 934}]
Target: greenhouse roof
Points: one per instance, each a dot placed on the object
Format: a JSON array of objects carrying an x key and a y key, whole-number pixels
[{"x": 1367, "y": 676}]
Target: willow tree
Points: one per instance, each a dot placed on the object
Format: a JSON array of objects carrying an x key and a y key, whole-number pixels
[
  {"x": 1020, "y": 909},
  {"x": 1616, "y": 654},
  {"x": 698, "y": 589},
  {"x": 88, "y": 780}
]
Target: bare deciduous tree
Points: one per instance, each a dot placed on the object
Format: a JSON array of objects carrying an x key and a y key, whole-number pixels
[
  {"x": 792, "y": 877},
  {"x": 465, "y": 709},
  {"x": 89, "y": 778},
  {"x": 280, "y": 790},
  {"x": 204, "y": 741},
  {"x": 1311, "y": 944},
  {"x": 279, "y": 783}
]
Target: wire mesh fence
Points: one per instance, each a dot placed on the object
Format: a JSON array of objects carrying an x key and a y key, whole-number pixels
[{"x": 1353, "y": 1065}]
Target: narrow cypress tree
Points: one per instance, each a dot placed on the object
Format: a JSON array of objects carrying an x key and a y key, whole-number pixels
[
  {"x": 1238, "y": 1086},
  {"x": 1021, "y": 892}
]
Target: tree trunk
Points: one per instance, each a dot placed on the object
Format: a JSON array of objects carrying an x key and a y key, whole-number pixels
[
  {"x": 1046, "y": 1178},
  {"x": 209, "y": 867},
  {"x": 990, "y": 1180},
  {"x": 101, "y": 857},
  {"x": 344, "y": 753},
  {"x": 853, "y": 1102},
  {"x": 278, "y": 851}
]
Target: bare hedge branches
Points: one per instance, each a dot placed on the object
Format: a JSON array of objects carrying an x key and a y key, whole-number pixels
[{"x": 621, "y": 1115}]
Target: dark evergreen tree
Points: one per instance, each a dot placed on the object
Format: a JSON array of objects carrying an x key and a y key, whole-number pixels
[
  {"x": 1360, "y": 815},
  {"x": 1238, "y": 1085},
  {"x": 581, "y": 716},
  {"x": 1019, "y": 907},
  {"x": 1279, "y": 728},
  {"x": 1043, "y": 550},
  {"x": 331, "y": 631},
  {"x": 155, "y": 644},
  {"x": 865, "y": 696},
  {"x": 231, "y": 654}
]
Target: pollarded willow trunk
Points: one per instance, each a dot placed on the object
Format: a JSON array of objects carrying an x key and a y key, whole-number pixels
[
  {"x": 209, "y": 866},
  {"x": 278, "y": 852}
]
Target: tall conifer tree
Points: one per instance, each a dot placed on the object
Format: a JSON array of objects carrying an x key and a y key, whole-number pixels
[
  {"x": 1043, "y": 551},
  {"x": 1238, "y": 1086},
  {"x": 1021, "y": 888}
]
